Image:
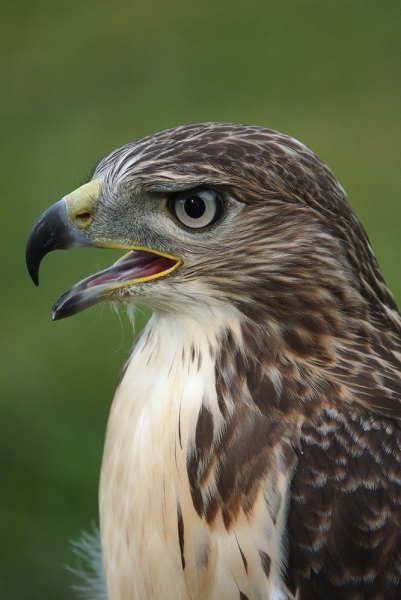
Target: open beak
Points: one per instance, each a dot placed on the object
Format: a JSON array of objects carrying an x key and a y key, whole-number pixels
[{"x": 63, "y": 226}]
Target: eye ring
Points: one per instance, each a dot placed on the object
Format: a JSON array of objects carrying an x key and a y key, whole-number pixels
[{"x": 197, "y": 208}]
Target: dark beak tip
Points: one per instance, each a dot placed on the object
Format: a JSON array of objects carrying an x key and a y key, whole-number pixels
[
  {"x": 52, "y": 231},
  {"x": 36, "y": 249},
  {"x": 33, "y": 272},
  {"x": 32, "y": 259},
  {"x": 56, "y": 313}
]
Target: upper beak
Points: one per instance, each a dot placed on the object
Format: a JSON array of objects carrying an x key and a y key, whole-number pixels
[{"x": 61, "y": 227}]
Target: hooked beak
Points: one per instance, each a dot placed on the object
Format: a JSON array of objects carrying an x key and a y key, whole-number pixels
[{"x": 64, "y": 226}]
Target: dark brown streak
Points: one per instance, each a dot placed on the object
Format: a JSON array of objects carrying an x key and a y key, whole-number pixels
[
  {"x": 242, "y": 555},
  {"x": 222, "y": 406},
  {"x": 204, "y": 430},
  {"x": 179, "y": 425},
  {"x": 266, "y": 562},
  {"x": 180, "y": 523}
]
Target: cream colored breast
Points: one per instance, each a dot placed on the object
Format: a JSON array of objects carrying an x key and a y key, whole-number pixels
[{"x": 144, "y": 482}]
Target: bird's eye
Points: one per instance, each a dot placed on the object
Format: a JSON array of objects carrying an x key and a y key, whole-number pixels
[{"x": 197, "y": 208}]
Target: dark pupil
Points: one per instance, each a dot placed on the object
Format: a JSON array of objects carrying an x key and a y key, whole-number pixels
[{"x": 194, "y": 207}]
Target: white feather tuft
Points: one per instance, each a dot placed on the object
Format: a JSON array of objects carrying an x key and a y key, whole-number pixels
[{"x": 89, "y": 567}]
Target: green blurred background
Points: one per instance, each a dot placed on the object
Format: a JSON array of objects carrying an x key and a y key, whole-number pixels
[{"x": 80, "y": 78}]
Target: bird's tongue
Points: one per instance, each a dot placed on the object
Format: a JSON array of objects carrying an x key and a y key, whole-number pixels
[{"x": 137, "y": 264}]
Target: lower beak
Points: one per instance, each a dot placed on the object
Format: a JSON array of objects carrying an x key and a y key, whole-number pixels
[{"x": 138, "y": 266}]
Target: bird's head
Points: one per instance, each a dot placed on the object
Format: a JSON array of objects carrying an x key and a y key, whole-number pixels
[{"x": 215, "y": 215}]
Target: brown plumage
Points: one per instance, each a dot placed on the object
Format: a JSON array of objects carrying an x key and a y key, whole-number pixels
[{"x": 254, "y": 444}]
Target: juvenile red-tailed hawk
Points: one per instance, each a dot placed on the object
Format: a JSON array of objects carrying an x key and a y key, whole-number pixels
[{"x": 253, "y": 450}]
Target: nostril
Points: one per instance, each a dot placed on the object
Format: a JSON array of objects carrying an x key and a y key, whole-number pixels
[{"x": 82, "y": 219}]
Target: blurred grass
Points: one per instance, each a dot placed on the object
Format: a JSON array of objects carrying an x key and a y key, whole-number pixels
[{"x": 82, "y": 78}]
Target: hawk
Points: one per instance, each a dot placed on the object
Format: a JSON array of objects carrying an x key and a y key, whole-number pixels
[{"x": 253, "y": 449}]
